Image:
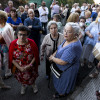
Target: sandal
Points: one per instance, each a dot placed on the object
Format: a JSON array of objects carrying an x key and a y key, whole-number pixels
[
  {"x": 57, "y": 95},
  {"x": 7, "y": 77},
  {"x": 98, "y": 95},
  {"x": 93, "y": 75}
]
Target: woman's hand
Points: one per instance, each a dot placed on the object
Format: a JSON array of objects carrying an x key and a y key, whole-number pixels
[
  {"x": 30, "y": 26},
  {"x": 90, "y": 36},
  {"x": 22, "y": 69},
  {"x": 51, "y": 58},
  {"x": 99, "y": 38}
]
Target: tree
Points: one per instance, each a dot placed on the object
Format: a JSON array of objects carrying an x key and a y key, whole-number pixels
[{"x": 71, "y": 2}]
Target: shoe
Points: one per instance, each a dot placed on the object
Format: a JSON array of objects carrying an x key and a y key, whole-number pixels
[
  {"x": 89, "y": 66},
  {"x": 23, "y": 88},
  {"x": 57, "y": 95},
  {"x": 5, "y": 87},
  {"x": 98, "y": 95},
  {"x": 7, "y": 77},
  {"x": 82, "y": 64},
  {"x": 93, "y": 75},
  {"x": 35, "y": 89}
]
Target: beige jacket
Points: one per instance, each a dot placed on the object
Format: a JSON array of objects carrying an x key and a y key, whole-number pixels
[{"x": 48, "y": 45}]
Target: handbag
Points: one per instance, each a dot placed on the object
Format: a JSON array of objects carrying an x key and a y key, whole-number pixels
[{"x": 56, "y": 71}]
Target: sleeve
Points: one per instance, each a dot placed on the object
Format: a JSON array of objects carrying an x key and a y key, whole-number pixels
[
  {"x": 43, "y": 46},
  {"x": 89, "y": 27},
  {"x": 68, "y": 55},
  {"x": 9, "y": 20},
  {"x": 36, "y": 53},
  {"x": 26, "y": 22},
  {"x": 47, "y": 11}
]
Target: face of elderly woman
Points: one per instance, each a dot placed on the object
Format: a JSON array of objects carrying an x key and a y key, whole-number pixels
[
  {"x": 53, "y": 29},
  {"x": 22, "y": 36},
  {"x": 69, "y": 33}
]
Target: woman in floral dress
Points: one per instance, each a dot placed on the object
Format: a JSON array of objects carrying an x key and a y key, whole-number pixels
[{"x": 24, "y": 56}]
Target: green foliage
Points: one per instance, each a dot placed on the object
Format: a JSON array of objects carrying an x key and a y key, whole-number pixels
[
  {"x": 71, "y": 2},
  {"x": 23, "y": 1}
]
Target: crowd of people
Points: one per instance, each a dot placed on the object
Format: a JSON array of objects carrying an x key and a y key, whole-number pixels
[{"x": 69, "y": 48}]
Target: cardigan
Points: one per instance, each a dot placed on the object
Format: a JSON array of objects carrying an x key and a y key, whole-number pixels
[{"x": 49, "y": 45}]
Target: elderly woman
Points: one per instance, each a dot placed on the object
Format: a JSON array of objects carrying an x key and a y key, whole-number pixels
[
  {"x": 74, "y": 17},
  {"x": 93, "y": 34},
  {"x": 50, "y": 43},
  {"x": 24, "y": 56},
  {"x": 67, "y": 57},
  {"x": 6, "y": 36}
]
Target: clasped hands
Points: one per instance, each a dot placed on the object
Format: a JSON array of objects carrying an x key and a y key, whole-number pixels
[{"x": 23, "y": 69}]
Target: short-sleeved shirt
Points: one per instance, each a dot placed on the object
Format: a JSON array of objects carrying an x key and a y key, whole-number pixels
[
  {"x": 18, "y": 21},
  {"x": 69, "y": 53}
]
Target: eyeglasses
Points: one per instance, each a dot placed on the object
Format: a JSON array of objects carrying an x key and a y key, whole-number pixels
[
  {"x": 67, "y": 32},
  {"x": 20, "y": 34}
]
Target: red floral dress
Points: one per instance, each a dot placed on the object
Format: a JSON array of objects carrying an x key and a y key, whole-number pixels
[{"x": 23, "y": 55}]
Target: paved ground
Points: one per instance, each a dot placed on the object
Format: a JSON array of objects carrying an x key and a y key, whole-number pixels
[{"x": 84, "y": 91}]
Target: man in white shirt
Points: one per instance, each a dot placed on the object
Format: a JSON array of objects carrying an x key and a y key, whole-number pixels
[
  {"x": 43, "y": 12},
  {"x": 56, "y": 8},
  {"x": 83, "y": 8}
]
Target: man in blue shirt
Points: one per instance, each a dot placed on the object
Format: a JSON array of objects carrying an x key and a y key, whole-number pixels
[{"x": 35, "y": 25}]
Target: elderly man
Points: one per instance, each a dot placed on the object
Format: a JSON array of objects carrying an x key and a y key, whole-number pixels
[{"x": 35, "y": 25}]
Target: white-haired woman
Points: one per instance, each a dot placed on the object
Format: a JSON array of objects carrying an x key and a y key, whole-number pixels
[
  {"x": 50, "y": 43},
  {"x": 67, "y": 56}
]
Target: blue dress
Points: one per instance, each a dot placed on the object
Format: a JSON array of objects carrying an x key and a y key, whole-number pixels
[{"x": 71, "y": 53}]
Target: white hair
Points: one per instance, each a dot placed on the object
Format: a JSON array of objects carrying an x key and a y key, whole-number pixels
[
  {"x": 30, "y": 10},
  {"x": 76, "y": 28},
  {"x": 51, "y": 23}
]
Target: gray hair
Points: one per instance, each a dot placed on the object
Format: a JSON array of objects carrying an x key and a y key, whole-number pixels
[
  {"x": 51, "y": 23},
  {"x": 76, "y": 28}
]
